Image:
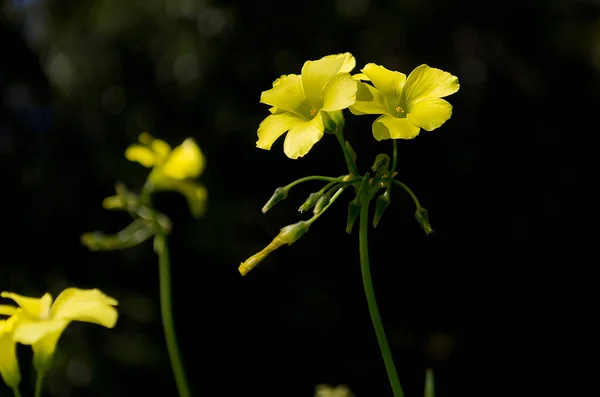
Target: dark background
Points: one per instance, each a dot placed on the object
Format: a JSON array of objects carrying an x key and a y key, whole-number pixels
[{"x": 79, "y": 80}]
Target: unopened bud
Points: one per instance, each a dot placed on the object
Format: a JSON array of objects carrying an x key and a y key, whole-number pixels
[
  {"x": 287, "y": 235},
  {"x": 423, "y": 219},
  {"x": 279, "y": 194},
  {"x": 381, "y": 164},
  {"x": 353, "y": 212},
  {"x": 382, "y": 203},
  {"x": 311, "y": 201},
  {"x": 322, "y": 203}
]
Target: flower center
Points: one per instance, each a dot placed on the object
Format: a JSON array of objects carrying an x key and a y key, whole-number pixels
[
  {"x": 313, "y": 112},
  {"x": 400, "y": 112}
]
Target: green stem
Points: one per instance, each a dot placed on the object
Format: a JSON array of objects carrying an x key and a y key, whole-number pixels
[
  {"x": 394, "y": 157},
  {"x": 315, "y": 178},
  {"x": 164, "y": 265},
  {"x": 410, "y": 192},
  {"x": 349, "y": 162},
  {"x": 372, "y": 302},
  {"x": 39, "y": 380},
  {"x": 333, "y": 198},
  {"x": 16, "y": 392}
]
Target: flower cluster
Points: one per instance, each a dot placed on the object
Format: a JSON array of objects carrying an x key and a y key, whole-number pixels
[{"x": 307, "y": 105}]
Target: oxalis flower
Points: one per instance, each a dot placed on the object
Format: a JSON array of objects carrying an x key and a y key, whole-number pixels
[
  {"x": 405, "y": 104},
  {"x": 304, "y": 104},
  {"x": 172, "y": 169},
  {"x": 9, "y": 366},
  {"x": 40, "y": 323}
]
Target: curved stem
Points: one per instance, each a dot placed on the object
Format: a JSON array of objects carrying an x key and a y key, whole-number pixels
[
  {"x": 39, "y": 380},
  {"x": 16, "y": 392},
  {"x": 315, "y": 178},
  {"x": 372, "y": 302},
  {"x": 410, "y": 192},
  {"x": 349, "y": 162},
  {"x": 162, "y": 250}
]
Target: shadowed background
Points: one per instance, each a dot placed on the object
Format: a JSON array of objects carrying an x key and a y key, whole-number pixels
[{"x": 79, "y": 80}]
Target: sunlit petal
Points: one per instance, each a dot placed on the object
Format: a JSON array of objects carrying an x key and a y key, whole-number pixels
[
  {"x": 186, "y": 161},
  {"x": 316, "y": 74},
  {"x": 339, "y": 93},
  {"x": 302, "y": 137},
  {"x": 430, "y": 114},
  {"x": 427, "y": 83},
  {"x": 389, "y": 127},
  {"x": 349, "y": 62},
  {"x": 89, "y": 305},
  {"x": 386, "y": 81},
  {"x": 38, "y": 308},
  {"x": 368, "y": 101},
  {"x": 7, "y": 310},
  {"x": 288, "y": 95},
  {"x": 142, "y": 155},
  {"x": 274, "y": 126}
]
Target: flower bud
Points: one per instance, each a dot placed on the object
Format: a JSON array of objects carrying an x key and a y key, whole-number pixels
[
  {"x": 287, "y": 235},
  {"x": 279, "y": 194},
  {"x": 423, "y": 219},
  {"x": 311, "y": 201},
  {"x": 382, "y": 203}
]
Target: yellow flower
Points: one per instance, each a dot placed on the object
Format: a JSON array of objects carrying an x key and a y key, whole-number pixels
[
  {"x": 172, "y": 169},
  {"x": 405, "y": 104},
  {"x": 328, "y": 391},
  {"x": 40, "y": 323},
  {"x": 301, "y": 104},
  {"x": 9, "y": 366}
]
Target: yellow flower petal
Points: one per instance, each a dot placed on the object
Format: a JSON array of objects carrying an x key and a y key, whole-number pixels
[
  {"x": 349, "y": 61},
  {"x": 32, "y": 307},
  {"x": 91, "y": 306},
  {"x": 44, "y": 348},
  {"x": 389, "y": 127},
  {"x": 316, "y": 74},
  {"x": 386, "y": 81},
  {"x": 9, "y": 366},
  {"x": 185, "y": 161},
  {"x": 361, "y": 77},
  {"x": 274, "y": 126},
  {"x": 368, "y": 101},
  {"x": 339, "y": 93},
  {"x": 427, "y": 83},
  {"x": 7, "y": 310},
  {"x": 195, "y": 195},
  {"x": 160, "y": 148},
  {"x": 142, "y": 155},
  {"x": 430, "y": 114},
  {"x": 302, "y": 137},
  {"x": 288, "y": 95},
  {"x": 29, "y": 331}
]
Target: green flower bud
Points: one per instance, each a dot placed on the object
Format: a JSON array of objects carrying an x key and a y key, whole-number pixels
[
  {"x": 382, "y": 203},
  {"x": 311, "y": 201},
  {"x": 279, "y": 194},
  {"x": 423, "y": 219}
]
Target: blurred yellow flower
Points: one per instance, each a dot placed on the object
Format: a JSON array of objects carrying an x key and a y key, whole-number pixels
[
  {"x": 40, "y": 323},
  {"x": 405, "y": 104},
  {"x": 300, "y": 103},
  {"x": 9, "y": 366},
  {"x": 328, "y": 391},
  {"x": 172, "y": 169}
]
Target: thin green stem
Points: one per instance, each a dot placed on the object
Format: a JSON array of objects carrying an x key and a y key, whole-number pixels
[
  {"x": 16, "y": 391},
  {"x": 39, "y": 380},
  {"x": 410, "y": 192},
  {"x": 339, "y": 134},
  {"x": 394, "y": 157},
  {"x": 372, "y": 302},
  {"x": 333, "y": 198},
  {"x": 315, "y": 178},
  {"x": 162, "y": 250}
]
